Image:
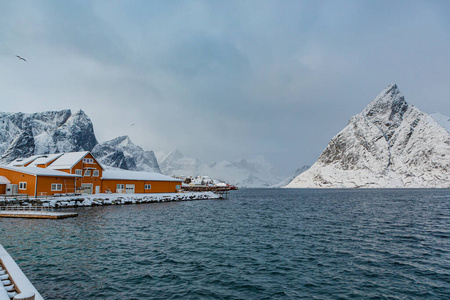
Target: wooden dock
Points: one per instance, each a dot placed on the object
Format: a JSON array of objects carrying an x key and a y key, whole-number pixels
[
  {"x": 14, "y": 283},
  {"x": 37, "y": 212}
]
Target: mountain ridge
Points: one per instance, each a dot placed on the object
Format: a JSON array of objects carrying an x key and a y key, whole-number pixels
[
  {"x": 122, "y": 153},
  {"x": 24, "y": 134},
  {"x": 389, "y": 144}
]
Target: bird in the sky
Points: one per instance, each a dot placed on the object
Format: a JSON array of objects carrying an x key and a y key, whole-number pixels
[
  {"x": 132, "y": 124},
  {"x": 21, "y": 58}
]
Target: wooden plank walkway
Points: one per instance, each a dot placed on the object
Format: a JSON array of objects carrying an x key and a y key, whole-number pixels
[{"x": 14, "y": 283}]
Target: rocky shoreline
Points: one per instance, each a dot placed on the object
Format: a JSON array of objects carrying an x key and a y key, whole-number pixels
[{"x": 113, "y": 199}]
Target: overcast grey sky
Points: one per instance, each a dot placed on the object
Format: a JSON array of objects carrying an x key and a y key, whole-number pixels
[{"x": 223, "y": 79}]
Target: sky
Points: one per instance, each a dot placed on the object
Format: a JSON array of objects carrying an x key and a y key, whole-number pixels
[{"x": 223, "y": 80}]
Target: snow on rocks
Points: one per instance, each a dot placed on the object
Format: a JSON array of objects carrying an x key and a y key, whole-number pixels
[
  {"x": 122, "y": 153},
  {"x": 119, "y": 199}
]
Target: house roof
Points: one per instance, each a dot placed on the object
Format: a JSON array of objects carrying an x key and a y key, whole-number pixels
[
  {"x": 69, "y": 160},
  {"x": 4, "y": 180},
  {"x": 44, "y": 159},
  {"x": 134, "y": 175},
  {"x": 40, "y": 171},
  {"x": 20, "y": 162}
]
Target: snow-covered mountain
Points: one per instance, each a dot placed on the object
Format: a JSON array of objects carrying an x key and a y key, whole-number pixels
[
  {"x": 243, "y": 173},
  {"x": 122, "y": 153},
  {"x": 23, "y": 135},
  {"x": 390, "y": 144}
]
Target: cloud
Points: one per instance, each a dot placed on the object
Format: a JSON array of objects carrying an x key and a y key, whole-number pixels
[{"x": 223, "y": 80}]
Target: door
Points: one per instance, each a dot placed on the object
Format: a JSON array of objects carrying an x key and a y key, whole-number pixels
[
  {"x": 87, "y": 188},
  {"x": 129, "y": 188},
  {"x": 97, "y": 189}
]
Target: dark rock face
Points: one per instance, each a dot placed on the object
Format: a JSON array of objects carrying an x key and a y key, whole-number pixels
[
  {"x": 23, "y": 135},
  {"x": 21, "y": 146},
  {"x": 122, "y": 153}
]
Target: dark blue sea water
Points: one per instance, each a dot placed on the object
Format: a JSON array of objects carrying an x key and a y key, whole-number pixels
[{"x": 259, "y": 244}]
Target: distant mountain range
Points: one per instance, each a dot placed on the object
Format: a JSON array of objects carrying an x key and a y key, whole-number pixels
[
  {"x": 243, "y": 173},
  {"x": 23, "y": 135},
  {"x": 390, "y": 144}
]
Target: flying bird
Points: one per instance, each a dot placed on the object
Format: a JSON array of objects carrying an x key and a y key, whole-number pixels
[
  {"x": 21, "y": 58},
  {"x": 132, "y": 124}
]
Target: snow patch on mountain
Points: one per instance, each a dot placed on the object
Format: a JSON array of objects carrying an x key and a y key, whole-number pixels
[{"x": 390, "y": 144}]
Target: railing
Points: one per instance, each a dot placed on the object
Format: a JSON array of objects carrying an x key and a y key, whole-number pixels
[
  {"x": 14, "y": 197},
  {"x": 26, "y": 208}
]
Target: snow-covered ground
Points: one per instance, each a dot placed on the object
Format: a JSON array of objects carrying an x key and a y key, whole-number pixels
[{"x": 118, "y": 199}]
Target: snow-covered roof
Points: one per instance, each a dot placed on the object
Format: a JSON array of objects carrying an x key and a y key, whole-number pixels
[
  {"x": 39, "y": 171},
  {"x": 20, "y": 162},
  {"x": 67, "y": 160},
  {"x": 134, "y": 175},
  {"x": 4, "y": 180},
  {"x": 44, "y": 159}
]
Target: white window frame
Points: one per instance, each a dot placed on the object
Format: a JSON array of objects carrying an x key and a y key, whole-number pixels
[
  {"x": 79, "y": 172},
  {"x": 120, "y": 186},
  {"x": 56, "y": 187},
  {"x": 178, "y": 187},
  {"x": 95, "y": 173},
  {"x": 22, "y": 186},
  {"x": 147, "y": 186},
  {"x": 87, "y": 172}
]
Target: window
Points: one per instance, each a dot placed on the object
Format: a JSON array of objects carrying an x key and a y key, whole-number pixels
[
  {"x": 22, "y": 185},
  {"x": 147, "y": 186},
  {"x": 78, "y": 172},
  {"x": 120, "y": 186},
  {"x": 178, "y": 187},
  {"x": 95, "y": 173},
  {"x": 56, "y": 187},
  {"x": 88, "y": 160},
  {"x": 87, "y": 173}
]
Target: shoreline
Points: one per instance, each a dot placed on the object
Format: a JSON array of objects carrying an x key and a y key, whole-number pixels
[{"x": 115, "y": 199}]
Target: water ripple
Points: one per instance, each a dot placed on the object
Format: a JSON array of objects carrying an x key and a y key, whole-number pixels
[{"x": 260, "y": 244}]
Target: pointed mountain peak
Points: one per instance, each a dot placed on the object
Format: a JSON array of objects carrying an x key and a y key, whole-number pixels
[
  {"x": 389, "y": 102},
  {"x": 389, "y": 94},
  {"x": 79, "y": 112},
  {"x": 123, "y": 140}
]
